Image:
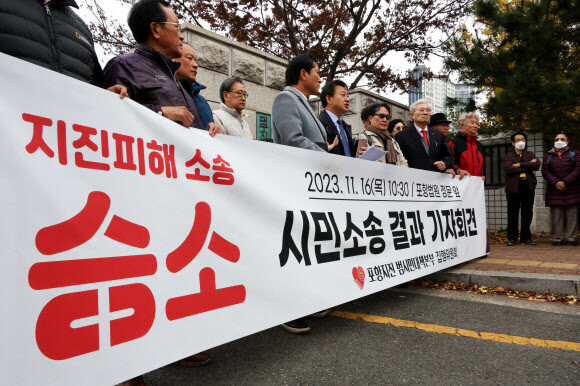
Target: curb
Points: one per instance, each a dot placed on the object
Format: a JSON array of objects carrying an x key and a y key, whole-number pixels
[{"x": 519, "y": 281}]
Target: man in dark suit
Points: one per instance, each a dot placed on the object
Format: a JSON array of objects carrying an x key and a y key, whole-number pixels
[
  {"x": 334, "y": 99},
  {"x": 424, "y": 147}
]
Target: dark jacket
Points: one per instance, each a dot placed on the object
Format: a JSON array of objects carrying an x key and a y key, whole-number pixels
[
  {"x": 562, "y": 169},
  {"x": 150, "y": 80},
  {"x": 512, "y": 175},
  {"x": 332, "y": 132},
  {"x": 468, "y": 154},
  {"x": 205, "y": 113},
  {"x": 51, "y": 36},
  {"x": 411, "y": 144}
]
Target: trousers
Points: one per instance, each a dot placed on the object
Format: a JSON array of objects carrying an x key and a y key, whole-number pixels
[
  {"x": 564, "y": 222},
  {"x": 524, "y": 200}
]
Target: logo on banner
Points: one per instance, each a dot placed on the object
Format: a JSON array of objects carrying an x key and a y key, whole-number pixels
[{"x": 358, "y": 275}]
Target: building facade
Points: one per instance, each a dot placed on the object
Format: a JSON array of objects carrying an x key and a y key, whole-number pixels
[{"x": 437, "y": 89}]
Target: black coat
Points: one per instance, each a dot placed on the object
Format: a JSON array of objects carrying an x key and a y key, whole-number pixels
[
  {"x": 51, "y": 36},
  {"x": 411, "y": 144},
  {"x": 332, "y": 131}
]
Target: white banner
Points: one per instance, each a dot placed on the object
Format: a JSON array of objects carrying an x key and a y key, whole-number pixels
[{"x": 130, "y": 242}]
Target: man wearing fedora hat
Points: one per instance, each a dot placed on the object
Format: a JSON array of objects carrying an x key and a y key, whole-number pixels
[{"x": 440, "y": 122}]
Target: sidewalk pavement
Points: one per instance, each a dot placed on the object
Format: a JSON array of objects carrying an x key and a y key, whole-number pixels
[{"x": 542, "y": 267}]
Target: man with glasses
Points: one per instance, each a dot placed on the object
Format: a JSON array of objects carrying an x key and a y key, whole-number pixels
[
  {"x": 149, "y": 73},
  {"x": 229, "y": 117},
  {"x": 424, "y": 147}
]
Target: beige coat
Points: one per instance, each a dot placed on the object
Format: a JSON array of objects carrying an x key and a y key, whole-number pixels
[{"x": 375, "y": 141}]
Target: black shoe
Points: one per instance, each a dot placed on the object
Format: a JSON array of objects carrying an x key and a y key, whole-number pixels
[
  {"x": 511, "y": 243},
  {"x": 556, "y": 243},
  {"x": 572, "y": 243},
  {"x": 297, "y": 326},
  {"x": 529, "y": 242}
]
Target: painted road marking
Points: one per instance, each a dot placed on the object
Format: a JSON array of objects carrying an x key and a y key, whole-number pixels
[{"x": 571, "y": 346}]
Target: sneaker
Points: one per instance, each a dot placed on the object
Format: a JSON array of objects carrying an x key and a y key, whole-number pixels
[
  {"x": 572, "y": 243},
  {"x": 529, "y": 242},
  {"x": 510, "y": 243},
  {"x": 197, "y": 360},
  {"x": 297, "y": 326},
  {"x": 319, "y": 314},
  {"x": 556, "y": 243}
]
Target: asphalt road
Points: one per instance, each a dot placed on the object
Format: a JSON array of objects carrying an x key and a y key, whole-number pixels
[{"x": 402, "y": 345}]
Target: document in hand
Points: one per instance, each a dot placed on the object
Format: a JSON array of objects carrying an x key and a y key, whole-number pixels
[{"x": 373, "y": 154}]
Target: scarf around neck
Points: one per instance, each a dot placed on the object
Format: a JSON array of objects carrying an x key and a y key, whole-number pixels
[{"x": 387, "y": 141}]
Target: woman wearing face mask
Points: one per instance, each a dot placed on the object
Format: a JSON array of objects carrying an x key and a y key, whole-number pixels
[
  {"x": 520, "y": 186},
  {"x": 561, "y": 170}
]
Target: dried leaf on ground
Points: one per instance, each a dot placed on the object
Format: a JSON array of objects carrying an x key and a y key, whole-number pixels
[{"x": 483, "y": 290}]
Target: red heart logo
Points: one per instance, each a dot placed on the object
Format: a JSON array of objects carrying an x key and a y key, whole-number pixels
[{"x": 358, "y": 275}]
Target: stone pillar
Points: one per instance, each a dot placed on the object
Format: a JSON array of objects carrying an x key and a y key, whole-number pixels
[{"x": 219, "y": 58}]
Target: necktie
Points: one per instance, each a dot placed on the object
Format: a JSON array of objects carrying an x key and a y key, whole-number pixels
[
  {"x": 343, "y": 138},
  {"x": 425, "y": 137}
]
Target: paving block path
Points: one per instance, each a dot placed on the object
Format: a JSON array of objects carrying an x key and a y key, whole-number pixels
[{"x": 540, "y": 258}]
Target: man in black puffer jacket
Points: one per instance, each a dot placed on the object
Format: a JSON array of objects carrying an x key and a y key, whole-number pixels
[{"x": 50, "y": 34}]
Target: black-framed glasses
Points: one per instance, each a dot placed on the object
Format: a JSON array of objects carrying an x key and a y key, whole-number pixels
[
  {"x": 383, "y": 116},
  {"x": 241, "y": 94}
]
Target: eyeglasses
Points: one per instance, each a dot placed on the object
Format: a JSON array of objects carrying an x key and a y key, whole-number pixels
[
  {"x": 383, "y": 116},
  {"x": 241, "y": 94},
  {"x": 168, "y": 22},
  {"x": 424, "y": 110}
]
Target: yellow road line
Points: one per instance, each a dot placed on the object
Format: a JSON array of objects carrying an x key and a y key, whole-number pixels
[
  {"x": 563, "y": 345},
  {"x": 524, "y": 263},
  {"x": 529, "y": 263}
]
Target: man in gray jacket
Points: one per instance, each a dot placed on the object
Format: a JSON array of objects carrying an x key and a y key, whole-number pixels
[
  {"x": 295, "y": 124},
  {"x": 293, "y": 121}
]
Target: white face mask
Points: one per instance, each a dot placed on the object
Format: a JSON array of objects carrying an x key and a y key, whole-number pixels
[
  {"x": 560, "y": 144},
  {"x": 520, "y": 145}
]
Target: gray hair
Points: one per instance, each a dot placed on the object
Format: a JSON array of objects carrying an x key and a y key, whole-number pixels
[
  {"x": 467, "y": 116},
  {"x": 227, "y": 85},
  {"x": 413, "y": 107}
]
